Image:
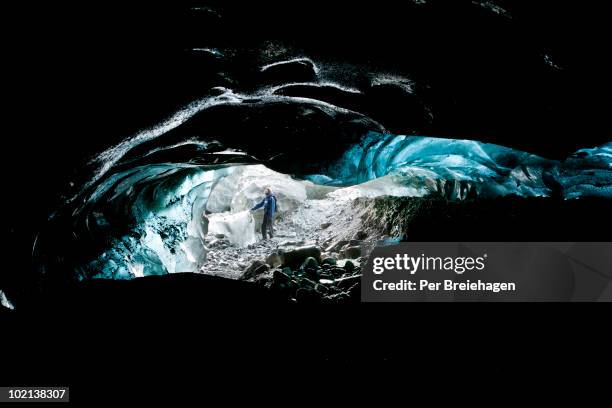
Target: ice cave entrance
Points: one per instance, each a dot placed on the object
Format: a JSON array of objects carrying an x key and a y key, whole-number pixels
[{"x": 194, "y": 208}]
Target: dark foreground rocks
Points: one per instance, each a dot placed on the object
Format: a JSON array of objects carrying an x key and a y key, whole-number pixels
[
  {"x": 295, "y": 257},
  {"x": 308, "y": 275},
  {"x": 312, "y": 282},
  {"x": 178, "y": 292}
]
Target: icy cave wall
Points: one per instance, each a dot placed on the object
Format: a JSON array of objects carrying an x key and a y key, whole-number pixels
[
  {"x": 457, "y": 169},
  {"x": 168, "y": 203},
  {"x": 166, "y": 234}
]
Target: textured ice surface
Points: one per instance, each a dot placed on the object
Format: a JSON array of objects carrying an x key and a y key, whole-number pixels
[
  {"x": 588, "y": 172},
  {"x": 165, "y": 204},
  {"x": 244, "y": 187},
  {"x": 238, "y": 228},
  {"x": 168, "y": 206},
  {"x": 417, "y": 166}
]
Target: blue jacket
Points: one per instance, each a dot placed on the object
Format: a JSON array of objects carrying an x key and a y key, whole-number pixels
[{"x": 268, "y": 204}]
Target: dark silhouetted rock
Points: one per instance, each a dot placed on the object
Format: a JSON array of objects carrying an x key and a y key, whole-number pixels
[
  {"x": 257, "y": 268},
  {"x": 274, "y": 260},
  {"x": 328, "y": 261},
  {"x": 306, "y": 283},
  {"x": 348, "y": 282},
  {"x": 311, "y": 263},
  {"x": 361, "y": 235},
  {"x": 279, "y": 277},
  {"x": 297, "y": 256},
  {"x": 349, "y": 266},
  {"x": 312, "y": 273},
  {"x": 338, "y": 271},
  {"x": 352, "y": 252},
  {"x": 321, "y": 289},
  {"x": 303, "y": 295}
]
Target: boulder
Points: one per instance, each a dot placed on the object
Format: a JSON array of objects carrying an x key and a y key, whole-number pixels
[
  {"x": 280, "y": 278},
  {"x": 257, "y": 268},
  {"x": 303, "y": 295},
  {"x": 351, "y": 252},
  {"x": 263, "y": 279},
  {"x": 360, "y": 235},
  {"x": 348, "y": 282},
  {"x": 321, "y": 289},
  {"x": 349, "y": 266},
  {"x": 310, "y": 263},
  {"x": 294, "y": 258},
  {"x": 312, "y": 273},
  {"x": 306, "y": 283},
  {"x": 328, "y": 261},
  {"x": 337, "y": 271},
  {"x": 274, "y": 260},
  {"x": 337, "y": 298}
]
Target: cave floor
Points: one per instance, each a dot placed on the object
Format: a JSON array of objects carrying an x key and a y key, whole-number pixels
[{"x": 314, "y": 222}]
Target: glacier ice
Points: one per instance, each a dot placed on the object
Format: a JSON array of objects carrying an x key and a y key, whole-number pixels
[
  {"x": 166, "y": 204},
  {"x": 155, "y": 218},
  {"x": 457, "y": 169},
  {"x": 243, "y": 188},
  {"x": 238, "y": 228},
  {"x": 588, "y": 172}
]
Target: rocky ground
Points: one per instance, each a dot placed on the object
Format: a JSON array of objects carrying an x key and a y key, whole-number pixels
[
  {"x": 319, "y": 249},
  {"x": 315, "y": 255}
]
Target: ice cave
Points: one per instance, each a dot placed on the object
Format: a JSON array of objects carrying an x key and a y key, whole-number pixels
[
  {"x": 194, "y": 217},
  {"x": 195, "y": 191},
  {"x": 176, "y": 197}
]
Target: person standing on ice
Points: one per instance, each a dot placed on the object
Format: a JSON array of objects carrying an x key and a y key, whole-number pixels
[{"x": 269, "y": 205}]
